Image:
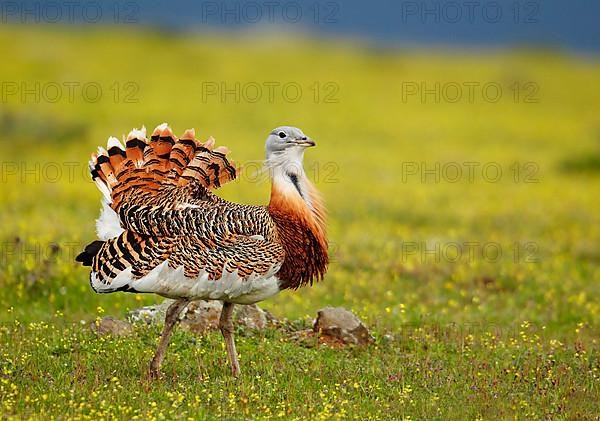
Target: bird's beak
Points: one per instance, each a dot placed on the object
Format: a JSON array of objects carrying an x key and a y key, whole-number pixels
[{"x": 306, "y": 142}]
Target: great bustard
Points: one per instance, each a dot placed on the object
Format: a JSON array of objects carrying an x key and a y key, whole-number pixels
[{"x": 162, "y": 230}]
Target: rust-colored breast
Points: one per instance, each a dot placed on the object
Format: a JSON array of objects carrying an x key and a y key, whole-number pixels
[{"x": 301, "y": 232}]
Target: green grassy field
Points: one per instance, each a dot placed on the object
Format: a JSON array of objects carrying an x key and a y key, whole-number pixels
[{"x": 459, "y": 335}]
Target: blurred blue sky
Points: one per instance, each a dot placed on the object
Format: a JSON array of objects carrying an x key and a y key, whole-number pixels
[{"x": 572, "y": 25}]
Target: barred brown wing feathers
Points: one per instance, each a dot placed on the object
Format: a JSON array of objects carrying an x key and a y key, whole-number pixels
[
  {"x": 166, "y": 231},
  {"x": 146, "y": 169},
  {"x": 238, "y": 253},
  {"x": 210, "y": 167},
  {"x": 126, "y": 262},
  {"x": 181, "y": 154},
  {"x": 206, "y": 218}
]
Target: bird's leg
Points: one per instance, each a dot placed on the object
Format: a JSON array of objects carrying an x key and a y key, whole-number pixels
[
  {"x": 226, "y": 326},
  {"x": 171, "y": 318}
]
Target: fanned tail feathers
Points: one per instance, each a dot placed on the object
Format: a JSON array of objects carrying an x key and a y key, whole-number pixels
[{"x": 145, "y": 167}]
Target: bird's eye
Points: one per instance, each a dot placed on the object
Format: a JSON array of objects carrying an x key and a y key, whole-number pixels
[{"x": 282, "y": 135}]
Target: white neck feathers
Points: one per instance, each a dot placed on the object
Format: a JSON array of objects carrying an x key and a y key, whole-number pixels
[{"x": 288, "y": 177}]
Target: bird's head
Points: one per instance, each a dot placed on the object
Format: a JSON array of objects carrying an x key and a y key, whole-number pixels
[
  {"x": 286, "y": 145},
  {"x": 285, "y": 153}
]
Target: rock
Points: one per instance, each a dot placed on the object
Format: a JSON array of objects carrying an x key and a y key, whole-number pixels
[
  {"x": 201, "y": 316},
  {"x": 110, "y": 325},
  {"x": 252, "y": 316},
  {"x": 150, "y": 314},
  {"x": 340, "y": 325}
]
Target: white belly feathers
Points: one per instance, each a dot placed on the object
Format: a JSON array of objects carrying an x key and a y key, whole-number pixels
[{"x": 172, "y": 283}]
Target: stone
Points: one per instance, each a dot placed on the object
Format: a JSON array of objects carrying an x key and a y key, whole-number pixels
[
  {"x": 336, "y": 324},
  {"x": 251, "y": 316},
  {"x": 110, "y": 325},
  {"x": 201, "y": 316},
  {"x": 150, "y": 314}
]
